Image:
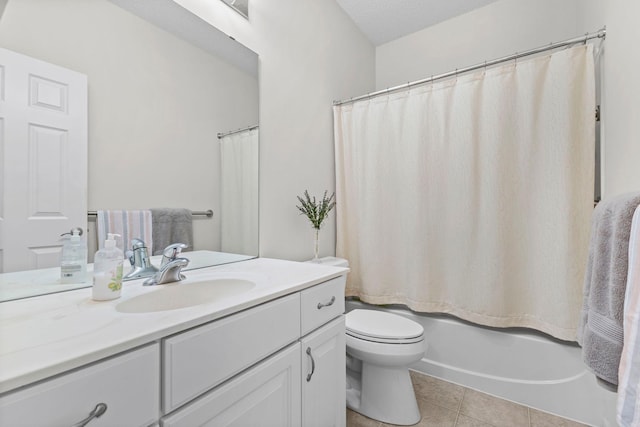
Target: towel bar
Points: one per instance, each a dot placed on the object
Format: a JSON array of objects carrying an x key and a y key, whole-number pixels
[{"x": 207, "y": 213}]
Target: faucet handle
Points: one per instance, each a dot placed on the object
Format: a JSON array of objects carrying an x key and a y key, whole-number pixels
[
  {"x": 171, "y": 252},
  {"x": 129, "y": 255}
]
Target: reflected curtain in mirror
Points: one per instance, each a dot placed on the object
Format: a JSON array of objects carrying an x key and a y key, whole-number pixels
[{"x": 239, "y": 191}]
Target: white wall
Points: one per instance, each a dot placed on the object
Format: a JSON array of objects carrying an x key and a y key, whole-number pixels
[
  {"x": 156, "y": 104},
  {"x": 621, "y": 91},
  {"x": 495, "y": 30},
  {"x": 310, "y": 54}
]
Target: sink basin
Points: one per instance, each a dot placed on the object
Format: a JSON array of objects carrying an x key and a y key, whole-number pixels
[{"x": 181, "y": 295}]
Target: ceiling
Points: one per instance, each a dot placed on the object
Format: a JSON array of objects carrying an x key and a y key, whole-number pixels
[{"x": 385, "y": 20}]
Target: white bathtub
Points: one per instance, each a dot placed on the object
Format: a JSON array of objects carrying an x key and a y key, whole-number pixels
[{"x": 516, "y": 364}]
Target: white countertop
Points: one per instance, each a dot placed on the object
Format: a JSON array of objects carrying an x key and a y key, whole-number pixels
[
  {"x": 25, "y": 284},
  {"x": 50, "y": 334}
]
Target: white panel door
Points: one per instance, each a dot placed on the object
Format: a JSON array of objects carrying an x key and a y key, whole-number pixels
[
  {"x": 324, "y": 376},
  {"x": 43, "y": 143}
]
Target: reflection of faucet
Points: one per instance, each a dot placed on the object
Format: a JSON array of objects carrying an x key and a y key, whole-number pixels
[
  {"x": 169, "y": 272},
  {"x": 139, "y": 259}
]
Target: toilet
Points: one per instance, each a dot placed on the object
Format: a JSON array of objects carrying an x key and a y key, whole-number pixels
[{"x": 380, "y": 348}]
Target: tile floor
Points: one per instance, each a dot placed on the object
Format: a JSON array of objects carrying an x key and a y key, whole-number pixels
[{"x": 443, "y": 404}]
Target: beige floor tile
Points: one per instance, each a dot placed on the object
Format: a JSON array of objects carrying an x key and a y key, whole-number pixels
[
  {"x": 542, "y": 419},
  {"x": 435, "y": 416},
  {"x": 354, "y": 419},
  {"x": 464, "y": 421},
  {"x": 432, "y": 416},
  {"x": 440, "y": 392},
  {"x": 492, "y": 410}
]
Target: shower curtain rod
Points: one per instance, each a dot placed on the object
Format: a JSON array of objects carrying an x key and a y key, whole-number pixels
[
  {"x": 222, "y": 135},
  {"x": 582, "y": 39}
]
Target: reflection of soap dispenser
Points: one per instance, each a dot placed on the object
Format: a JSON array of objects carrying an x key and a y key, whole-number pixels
[
  {"x": 107, "y": 271},
  {"x": 73, "y": 267}
]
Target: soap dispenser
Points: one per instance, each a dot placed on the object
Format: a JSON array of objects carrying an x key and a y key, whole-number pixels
[
  {"x": 107, "y": 271},
  {"x": 73, "y": 266}
]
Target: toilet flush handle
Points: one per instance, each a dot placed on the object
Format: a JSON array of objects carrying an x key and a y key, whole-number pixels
[{"x": 313, "y": 364}]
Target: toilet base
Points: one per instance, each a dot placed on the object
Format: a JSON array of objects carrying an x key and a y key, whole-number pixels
[{"x": 386, "y": 394}]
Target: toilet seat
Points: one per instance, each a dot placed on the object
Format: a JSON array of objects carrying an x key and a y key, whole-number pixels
[{"x": 381, "y": 327}]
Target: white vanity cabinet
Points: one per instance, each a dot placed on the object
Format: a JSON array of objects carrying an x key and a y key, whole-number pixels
[
  {"x": 279, "y": 363},
  {"x": 299, "y": 384},
  {"x": 128, "y": 384}
]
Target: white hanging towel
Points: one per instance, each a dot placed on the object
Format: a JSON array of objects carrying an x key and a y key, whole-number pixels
[
  {"x": 134, "y": 224},
  {"x": 628, "y": 413}
]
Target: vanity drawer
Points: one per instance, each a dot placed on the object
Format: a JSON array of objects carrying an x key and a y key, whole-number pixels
[
  {"x": 128, "y": 384},
  {"x": 198, "y": 360},
  {"x": 321, "y": 303}
]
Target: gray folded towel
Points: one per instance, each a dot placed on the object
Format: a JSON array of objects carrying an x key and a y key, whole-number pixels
[
  {"x": 169, "y": 226},
  {"x": 600, "y": 331}
]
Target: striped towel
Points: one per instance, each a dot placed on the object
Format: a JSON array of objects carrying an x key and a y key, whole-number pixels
[
  {"x": 129, "y": 224},
  {"x": 628, "y": 413}
]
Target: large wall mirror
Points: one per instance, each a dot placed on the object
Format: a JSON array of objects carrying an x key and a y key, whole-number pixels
[{"x": 162, "y": 85}]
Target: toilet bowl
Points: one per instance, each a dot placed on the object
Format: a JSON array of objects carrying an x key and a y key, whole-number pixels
[{"x": 380, "y": 347}]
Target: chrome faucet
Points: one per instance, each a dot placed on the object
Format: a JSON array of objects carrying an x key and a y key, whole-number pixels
[
  {"x": 171, "y": 271},
  {"x": 171, "y": 253},
  {"x": 170, "y": 268},
  {"x": 139, "y": 259}
]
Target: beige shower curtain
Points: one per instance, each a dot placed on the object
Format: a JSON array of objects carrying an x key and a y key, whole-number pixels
[{"x": 473, "y": 196}]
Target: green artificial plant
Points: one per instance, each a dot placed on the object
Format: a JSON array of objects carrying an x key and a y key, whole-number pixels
[{"x": 316, "y": 211}]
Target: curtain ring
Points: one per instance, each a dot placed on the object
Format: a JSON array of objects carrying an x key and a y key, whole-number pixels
[{"x": 515, "y": 60}]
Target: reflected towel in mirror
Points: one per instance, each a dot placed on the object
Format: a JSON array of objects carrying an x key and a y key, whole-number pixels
[
  {"x": 133, "y": 224},
  {"x": 171, "y": 225}
]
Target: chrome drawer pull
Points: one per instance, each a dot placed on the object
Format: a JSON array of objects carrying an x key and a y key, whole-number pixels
[
  {"x": 326, "y": 304},
  {"x": 100, "y": 409},
  {"x": 313, "y": 364}
]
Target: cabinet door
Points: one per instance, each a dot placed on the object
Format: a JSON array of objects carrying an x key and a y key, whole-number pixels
[
  {"x": 128, "y": 385},
  {"x": 267, "y": 395},
  {"x": 323, "y": 376}
]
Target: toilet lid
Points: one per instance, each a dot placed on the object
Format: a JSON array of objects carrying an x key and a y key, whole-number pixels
[{"x": 383, "y": 327}]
